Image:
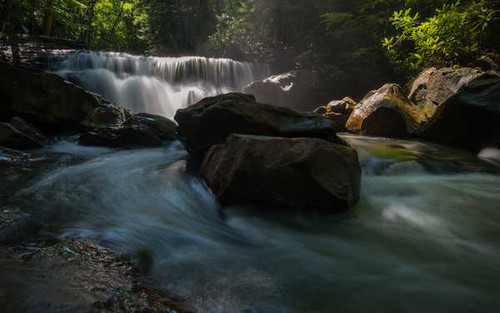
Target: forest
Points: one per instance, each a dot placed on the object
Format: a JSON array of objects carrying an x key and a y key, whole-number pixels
[{"x": 355, "y": 44}]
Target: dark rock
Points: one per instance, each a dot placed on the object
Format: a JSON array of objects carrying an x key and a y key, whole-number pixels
[
  {"x": 307, "y": 173},
  {"x": 19, "y": 134},
  {"x": 106, "y": 115},
  {"x": 44, "y": 99},
  {"x": 338, "y": 111},
  {"x": 435, "y": 86},
  {"x": 299, "y": 90},
  {"x": 470, "y": 118},
  {"x": 141, "y": 130},
  {"x": 211, "y": 120},
  {"x": 28, "y": 129},
  {"x": 162, "y": 126},
  {"x": 385, "y": 112}
]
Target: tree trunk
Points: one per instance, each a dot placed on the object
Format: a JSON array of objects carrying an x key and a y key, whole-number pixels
[
  {"x": 118, "y": 17},
  {"x": 49, "y": 17},
  {"x": 7, "y": 16},
  {"x": 88, "y": 36}
]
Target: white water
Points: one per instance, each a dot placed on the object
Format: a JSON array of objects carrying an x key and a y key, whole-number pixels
[
  {"x": 156, "y": 85},
  {"x": 416, "y": 241}
]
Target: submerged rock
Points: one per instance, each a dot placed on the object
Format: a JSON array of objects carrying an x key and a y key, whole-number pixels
[
  {"x": 307, "y": 173},
  {"x": 211, "y": 120},
  {"x": 469, "y": 118},
  {"x": 141, "y": 130},
  {"x": 385, "y": 112},
  {"x": 77, "y": 275},
  {"x": 338, "y": 111}
]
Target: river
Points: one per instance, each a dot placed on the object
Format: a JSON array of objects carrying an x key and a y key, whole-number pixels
[{"x": 424, "y": 236}]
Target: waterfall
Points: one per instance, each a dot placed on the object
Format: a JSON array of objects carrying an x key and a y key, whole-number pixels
[{"x": 153, "y": 84}]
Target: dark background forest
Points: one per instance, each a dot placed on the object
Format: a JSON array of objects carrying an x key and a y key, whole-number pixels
[{"x": 354, "y": 44}]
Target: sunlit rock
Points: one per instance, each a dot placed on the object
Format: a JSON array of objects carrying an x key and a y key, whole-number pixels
[
  {"x": 435, "y": 86},
  {"x": 385, "y": 112},
  {"x": 338, "y": 111},
  {"x": 470, "y": 118}
]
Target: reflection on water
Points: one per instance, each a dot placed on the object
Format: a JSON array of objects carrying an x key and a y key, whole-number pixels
[{"x": 421, "y": 239}]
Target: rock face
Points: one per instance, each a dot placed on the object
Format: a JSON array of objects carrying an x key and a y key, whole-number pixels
[
  {"x": 470, "y": 118},
  {"x": 55, "y": 105},
  {"x": 44, "y": 99},
  {"x": 283, "y": 172},
  {"x": 299, "y": 90},
  {"x": 212, "y": 120},
  {"x": 435, "y": 86},
  {"x": 141, "y": 130},
  {"x": 386, "y": 112},
  {"x": 19, "y": 134},
  {"x": 338, "y": 111}
]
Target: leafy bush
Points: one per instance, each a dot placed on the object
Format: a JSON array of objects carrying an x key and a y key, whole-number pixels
[{"x": 454, "y": 35}]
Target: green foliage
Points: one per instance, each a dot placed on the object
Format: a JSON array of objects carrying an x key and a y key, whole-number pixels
[
  {"x": 335, "y": 19},
  {"x": 454, "y": 35},
  {"x": 114, "y": 24},
  {"x": 338, "y": 39},
  {"x": 241, "y": 29}
]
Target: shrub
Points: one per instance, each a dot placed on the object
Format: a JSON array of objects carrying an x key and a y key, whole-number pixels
[{"x": 454, "y": 35}]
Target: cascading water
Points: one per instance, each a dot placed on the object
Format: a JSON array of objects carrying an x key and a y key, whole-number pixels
[
  {"x": 423, "y": 238},
  {"x": 156, "y": 85}
]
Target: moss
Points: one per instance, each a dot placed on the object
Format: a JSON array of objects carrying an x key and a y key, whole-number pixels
[
  {"x": 70, "y": 251},
  {"x": 391, "y": 151}
]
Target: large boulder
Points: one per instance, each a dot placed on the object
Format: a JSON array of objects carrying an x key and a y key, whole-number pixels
[
  {"x": 470, "y": 118},
  {"x": 280, "y": 172},
  {"x": 211, "y": 120},
  {"x": 338, "y": 111},
  {"x": 435, "y": 86},
  {"x": 141, "y": 130},
  {"x": 44, "y": 99},
  {"x": 386, "y": 112},
  {"x": 19, "y": 134},
  {"x": 300, "y": 90}
]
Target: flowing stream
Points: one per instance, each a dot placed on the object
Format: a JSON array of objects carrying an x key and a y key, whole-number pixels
[{"x": 424, "y": 236}]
